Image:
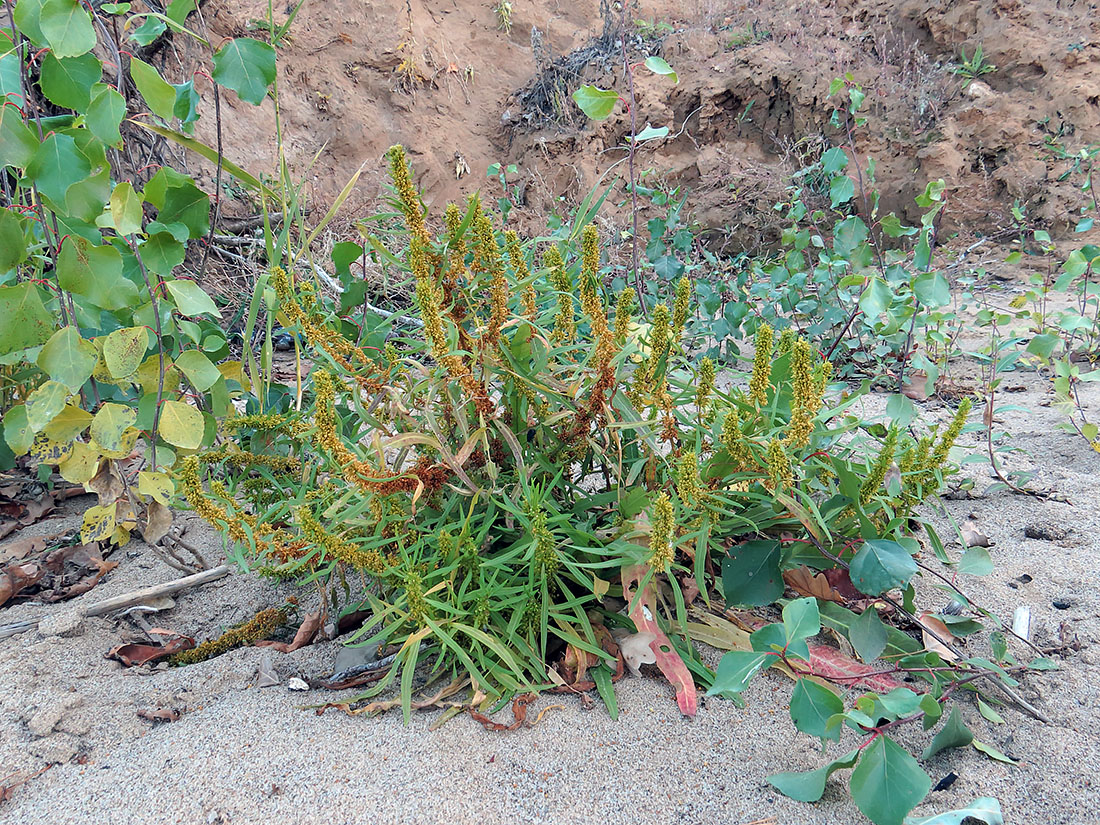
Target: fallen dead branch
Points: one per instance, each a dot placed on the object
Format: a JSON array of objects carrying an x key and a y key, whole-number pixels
[{"x": 128, "y": 599}]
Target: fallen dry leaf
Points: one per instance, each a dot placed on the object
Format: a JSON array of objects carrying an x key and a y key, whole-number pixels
[
  {"x": 931, "y": 627},
  {"x": 306, "y": 633},
  {"x": 916, "y": 388},
  {"x": 830, "y": 585},
  {"x": 158, "y": 521},
  {"x": 637, "y": 650},
  {"x": 973, "y": 537},
  {"x": 135, "y": 654},
  {"x": 161, "y": 715}
]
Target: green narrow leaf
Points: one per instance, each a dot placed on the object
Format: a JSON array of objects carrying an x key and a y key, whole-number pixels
[
  {"x": 988, "y": 713},
  {"x": 888, "y": 783},
  {"x": 993, "y": 753},
  {"x": 247, "y": 67},
  {"x": 601, "y": 675}
]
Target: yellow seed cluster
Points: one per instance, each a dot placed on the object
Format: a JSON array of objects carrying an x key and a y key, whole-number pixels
[
  {"x": 419, "y": 609},
  {"x": 662, "y": 524},
  {"x": 624, "y": 314},
  {"x": 262, "y": 625},
  {"x": 760, "y": 381},
  {"x": 565, "y": 324},
  {"x": 369, "y": 561},
  {"x": 786, "y": 341},
  {"x": 244, "y": 460},
  {"x": 688, "y": 484},
  {"x": 681, "y": 306},
  {"x": 805, "y": 400},
  {"x": 528, "y": 299},
  {"x": 733, "y": 439},
  {"x": 487, "y": 259},
  {"x": 877, "y": 471},
  {"x": 658, "y": 339},
  {"x": 780, "y": 472},
  {"x": 546, "y": 554},
  {"x": 408, "y": 200},
  {"x": 704, "y": 386}
]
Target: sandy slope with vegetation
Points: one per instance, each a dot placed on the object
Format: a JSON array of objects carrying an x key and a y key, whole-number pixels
[{"x": 240, "y": 753}]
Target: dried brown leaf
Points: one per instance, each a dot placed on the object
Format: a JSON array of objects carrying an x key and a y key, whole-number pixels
[
  {"x": 158, "y": 521},
  {"x": 806, "y": 582},
  {"x": 974, "y": 537},
  {"x": 134, "y": 654},
  {"x": 306, "y": 633},
  {"x": 931, "y": 627}
]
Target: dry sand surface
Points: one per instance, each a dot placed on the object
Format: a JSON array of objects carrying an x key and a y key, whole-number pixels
[{"x": 242, "y": 754}]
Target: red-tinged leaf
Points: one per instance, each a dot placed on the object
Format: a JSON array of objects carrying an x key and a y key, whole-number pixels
[
  {"x": 668, "y": 660},
  {"x": 831, "y": 664}
]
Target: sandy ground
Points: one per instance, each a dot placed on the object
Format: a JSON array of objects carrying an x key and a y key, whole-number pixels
[{"x": 241, "y": 754}]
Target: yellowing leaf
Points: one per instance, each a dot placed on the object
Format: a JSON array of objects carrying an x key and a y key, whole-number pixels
[
  {"x": 181, "y": 425},
  {"x": 158, "y": 485},
  {"x": 110, "y": 423},
  {"x": 124, "y": 350},
  {"x": 47, "y": 451},
  {"x": 68, "y": 424},
  {"x": 80, "y": 465},
  {"x": 125, "y": 444},
  {"x": 99, "y": 523},
  {"x": 44, "y": 403}
]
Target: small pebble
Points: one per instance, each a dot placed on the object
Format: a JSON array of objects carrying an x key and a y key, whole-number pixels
[
  {"x": 1062, "y": 603},
  {"x": 1045, "y": 531}
]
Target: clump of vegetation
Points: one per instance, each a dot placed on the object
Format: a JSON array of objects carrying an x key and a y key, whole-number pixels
[
  {"x": 260, "y": 626},
  {"x": 973, "y": 67}
]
